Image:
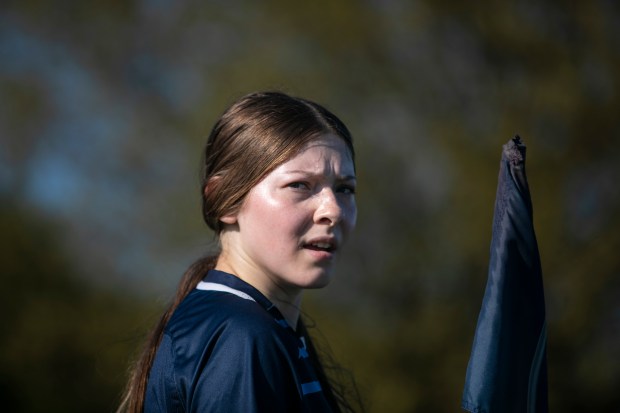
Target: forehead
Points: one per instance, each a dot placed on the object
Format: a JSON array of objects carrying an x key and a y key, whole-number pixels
[{"x": 326, "y": 149}]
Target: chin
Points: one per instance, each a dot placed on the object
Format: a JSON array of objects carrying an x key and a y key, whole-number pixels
[{"x": 318, "y": 282}]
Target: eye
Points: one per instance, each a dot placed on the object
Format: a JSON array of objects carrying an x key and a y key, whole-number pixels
[
  {"x": 299, "y": 185},
  {"x": 346, "y": 189}
]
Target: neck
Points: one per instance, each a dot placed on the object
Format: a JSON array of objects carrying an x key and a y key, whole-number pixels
[{"x": 287, "y": 301}]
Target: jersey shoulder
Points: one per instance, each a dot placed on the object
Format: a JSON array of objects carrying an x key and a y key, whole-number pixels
[{"x": 213, "y": 315}]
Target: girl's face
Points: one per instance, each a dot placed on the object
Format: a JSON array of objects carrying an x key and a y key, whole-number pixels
[{"x": 293, "y": 223}]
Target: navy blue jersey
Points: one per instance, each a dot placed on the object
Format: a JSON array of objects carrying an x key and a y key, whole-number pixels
[{"x": 227, "y": 348}]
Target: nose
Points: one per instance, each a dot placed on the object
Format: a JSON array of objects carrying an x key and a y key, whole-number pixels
[{"x": 329, "y": 211}]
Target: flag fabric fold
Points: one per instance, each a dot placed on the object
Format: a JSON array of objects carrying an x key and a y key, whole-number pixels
[{"x": 507, "y": 370}]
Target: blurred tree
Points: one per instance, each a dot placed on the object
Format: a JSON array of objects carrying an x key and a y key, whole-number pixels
[{"x": 60, "y": 345}]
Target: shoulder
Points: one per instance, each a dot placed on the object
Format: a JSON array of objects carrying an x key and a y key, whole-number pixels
[
  {"x": 210, "y": 325},
  {"x": 218, "y": 313},
  {"x": 222, "y": 346}
]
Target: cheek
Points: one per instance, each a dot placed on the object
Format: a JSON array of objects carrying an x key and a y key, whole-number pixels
[
  {"x": 350, "y": 218},
  {"x": 259, "y": 208},
  {"x": 276, "y": 220},
  {"x": 350, "y": 222},
  {"x": 293, "y": 222},
  {"x": 353, "y": 221}
]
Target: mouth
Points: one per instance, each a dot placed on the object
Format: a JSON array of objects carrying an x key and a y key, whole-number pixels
[{"x": 323, "y": 245}]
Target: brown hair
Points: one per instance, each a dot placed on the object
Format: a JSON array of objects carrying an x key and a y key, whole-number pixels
[{"x": 255, "y": 135}]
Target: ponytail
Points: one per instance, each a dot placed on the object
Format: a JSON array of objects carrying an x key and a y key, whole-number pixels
[{"x": 135, "y": 391}]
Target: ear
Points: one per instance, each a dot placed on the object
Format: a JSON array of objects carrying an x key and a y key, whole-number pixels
[
  {"x": 211, "y": 185},
  {"x": 229, "y": 219}
]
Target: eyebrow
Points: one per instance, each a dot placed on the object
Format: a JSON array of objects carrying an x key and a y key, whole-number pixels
[{"x": 340, "y": 177}]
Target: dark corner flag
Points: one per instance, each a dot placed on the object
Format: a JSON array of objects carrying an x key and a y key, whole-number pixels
[{"x": 507, "y": 371}]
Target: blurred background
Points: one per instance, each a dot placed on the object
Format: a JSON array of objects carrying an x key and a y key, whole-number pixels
[{"x": 104, "y": 110}]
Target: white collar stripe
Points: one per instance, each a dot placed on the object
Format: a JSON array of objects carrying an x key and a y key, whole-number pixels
[{"x": 207, "y": 286}]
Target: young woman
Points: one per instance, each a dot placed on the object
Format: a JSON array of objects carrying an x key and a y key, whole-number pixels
[{"x": 278, "y": 189}]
